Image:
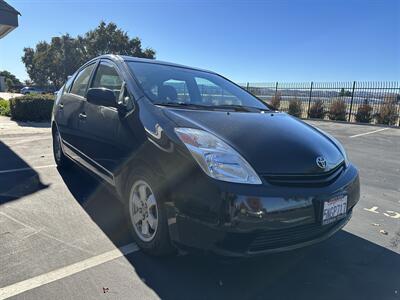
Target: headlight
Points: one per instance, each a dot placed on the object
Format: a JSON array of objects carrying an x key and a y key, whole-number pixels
[{"x": 217, "y": 159}]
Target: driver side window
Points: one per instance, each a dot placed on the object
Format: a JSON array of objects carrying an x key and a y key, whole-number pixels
[{"x": 107, "y": 77}]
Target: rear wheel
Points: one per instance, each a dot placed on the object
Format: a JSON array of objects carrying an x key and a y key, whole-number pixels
[
  {"x": 146, "y": 215},
  {"x": 61, "y": 160}
]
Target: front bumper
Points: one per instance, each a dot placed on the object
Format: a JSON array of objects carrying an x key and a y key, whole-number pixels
[{"x": 245, "y": 220}]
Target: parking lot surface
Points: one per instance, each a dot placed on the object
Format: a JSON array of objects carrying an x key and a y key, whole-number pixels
[
  {"x": 8, "y": 96},
  {"x": 62, "y": 235}
]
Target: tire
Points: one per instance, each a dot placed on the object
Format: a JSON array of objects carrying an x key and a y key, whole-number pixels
[
  {"x": 157, "y": 242},
  {"x": 61, "y": 160}
]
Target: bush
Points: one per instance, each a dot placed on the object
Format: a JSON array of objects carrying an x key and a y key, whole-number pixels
[
  {"x": 388, "y": 112},
  {"x": 295, "y": 108},
  {"x": 276, "y": 100},
  {"x": 364, "y": 113},
  {"x": 4, "y": 108},
  {"x": 317, "y": 110},
  {"x": 337, "y": 110},
  {"x": 33, "y": 107}
]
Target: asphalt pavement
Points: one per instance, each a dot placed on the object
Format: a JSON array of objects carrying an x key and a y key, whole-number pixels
[{"x": 62, "y": 235}]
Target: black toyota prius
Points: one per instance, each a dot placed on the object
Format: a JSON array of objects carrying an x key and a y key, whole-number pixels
[{"x": 200, "y": 163}]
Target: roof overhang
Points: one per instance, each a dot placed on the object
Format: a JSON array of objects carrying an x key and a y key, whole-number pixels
[{"x": 8, "y": 18}]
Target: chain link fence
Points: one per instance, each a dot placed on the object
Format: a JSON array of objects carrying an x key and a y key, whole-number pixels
[{"x": 363, "y": 102}]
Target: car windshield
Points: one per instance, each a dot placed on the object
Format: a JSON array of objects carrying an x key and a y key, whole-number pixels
[{"x": 179, "y": 86}]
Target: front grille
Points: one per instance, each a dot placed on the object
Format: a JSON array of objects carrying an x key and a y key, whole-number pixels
[
  {"x": 305, "y": 180},
  {"x": 278, "y": 238}
]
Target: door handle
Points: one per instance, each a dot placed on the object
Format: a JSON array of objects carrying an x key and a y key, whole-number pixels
[
  {"x": 82, "y": 116},
  {"x": 61, "y": 105}
]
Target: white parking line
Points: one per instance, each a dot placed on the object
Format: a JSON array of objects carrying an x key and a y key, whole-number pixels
[
  {"x": 31, "y": 283},
  {"x": 26, "y": 169},
  {"x": 361, "y": 134}
]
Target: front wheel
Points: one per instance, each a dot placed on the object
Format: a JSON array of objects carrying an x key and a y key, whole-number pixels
[
  {"x": 61, "y": 160},
  {"x": 146, "y": 215}
]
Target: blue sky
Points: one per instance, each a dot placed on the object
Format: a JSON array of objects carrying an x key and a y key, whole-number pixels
[{"x": 256, "y": 41}]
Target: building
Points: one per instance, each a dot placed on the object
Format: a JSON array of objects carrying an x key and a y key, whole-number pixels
[
  {"x": 8, "y": 18},
  {"x": 8, "y": 22}
]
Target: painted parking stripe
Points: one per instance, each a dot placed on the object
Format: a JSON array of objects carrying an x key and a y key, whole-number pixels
[
  {"x": 370, "y": 132},
  {"x": 29, "y": 284},
  {"x": 26, "y": 169}
]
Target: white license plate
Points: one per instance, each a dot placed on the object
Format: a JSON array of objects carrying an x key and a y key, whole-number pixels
[{"x": 334, "y": 209}]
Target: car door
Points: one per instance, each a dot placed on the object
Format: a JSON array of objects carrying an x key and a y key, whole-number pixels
[
  {"x": 100, "y": 126},
  {"x": 69, "y": 107}
]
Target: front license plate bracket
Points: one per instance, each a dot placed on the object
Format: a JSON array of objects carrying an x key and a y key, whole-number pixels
[{"x": 334, "y": 209}]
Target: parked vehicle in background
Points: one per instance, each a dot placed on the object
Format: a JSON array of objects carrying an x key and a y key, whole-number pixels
[
  {"x": 32, "y": 90},
  {"x": 199, "y": 162}
]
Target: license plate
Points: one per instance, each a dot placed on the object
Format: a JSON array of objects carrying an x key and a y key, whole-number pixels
[{"x": 334, "y": 209}]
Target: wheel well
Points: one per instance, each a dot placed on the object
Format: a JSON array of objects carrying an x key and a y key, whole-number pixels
[
  {"x": 134, "y": 166},
  {"x": 53, "y": 127}
]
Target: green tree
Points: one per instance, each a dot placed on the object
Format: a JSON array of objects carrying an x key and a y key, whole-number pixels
[
  {"x": 37, "y": 64},
  {"x": 10, "y": 79},
  {"x": 344, "y": 93},
  {"x": 9, "y": 84},
  {"x": 51, "y": 63},
  {"x": 108, "y": 38}
]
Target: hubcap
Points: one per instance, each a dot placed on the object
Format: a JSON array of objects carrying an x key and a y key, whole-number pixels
[
  {"x": 57, "y": 146},
  {"x": 143, "y": 211}
]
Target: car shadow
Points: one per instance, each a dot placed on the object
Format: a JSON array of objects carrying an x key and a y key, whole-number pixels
[
  {"x": 345, "y": 266},
  {"x": 15, "y": 183}
]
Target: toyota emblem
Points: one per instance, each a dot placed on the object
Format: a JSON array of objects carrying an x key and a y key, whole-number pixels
[{"x": 321, "y": 162}]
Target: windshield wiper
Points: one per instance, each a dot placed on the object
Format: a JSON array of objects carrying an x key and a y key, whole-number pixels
[
  {"x": 214, "y": 107},
  {"x": 240, "y": 108},
  {"x": 182, "y": 104}
]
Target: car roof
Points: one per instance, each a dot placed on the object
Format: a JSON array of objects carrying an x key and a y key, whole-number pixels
[{"x": 125, "y": 58}]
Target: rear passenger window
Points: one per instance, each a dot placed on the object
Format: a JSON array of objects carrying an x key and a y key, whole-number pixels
[
  {"x": 107, "y": 77},
  {"x": 81, "y": 81}
]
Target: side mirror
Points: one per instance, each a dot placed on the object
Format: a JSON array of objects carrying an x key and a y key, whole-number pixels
[
  {"x": 124, "y": 102},
  {"x": 101, "y": 96}
]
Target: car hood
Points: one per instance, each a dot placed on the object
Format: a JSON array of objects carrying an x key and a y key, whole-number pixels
[{"x": 273, "y": 143}]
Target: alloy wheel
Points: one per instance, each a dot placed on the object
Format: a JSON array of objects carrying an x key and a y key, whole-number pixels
[
  {"x": 57, "y": 146},
  {"x": 143, "y": 211}
]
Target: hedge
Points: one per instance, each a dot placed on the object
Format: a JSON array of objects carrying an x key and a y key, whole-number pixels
[
  {"x": 337, "y": 111},
  {"x": 364, "y": 113},
  {"x": 317, "y": 110},
  {"x": 4, "y": 107},
  {"x": 295, "y": 108},
  {"x": 387, "y": 113},
  {"x": 33, "y": 107}
]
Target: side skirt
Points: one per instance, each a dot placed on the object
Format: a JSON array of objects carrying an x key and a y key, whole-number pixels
[{"x": 87, "y": 162}]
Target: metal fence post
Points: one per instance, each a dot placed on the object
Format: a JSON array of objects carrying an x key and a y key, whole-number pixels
[
  {"x": 309, "y": 100},
  {"x": 351, "y": 102},
  {"x": 398, "y": 104},
  {"x": 276, "y": 89}
]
